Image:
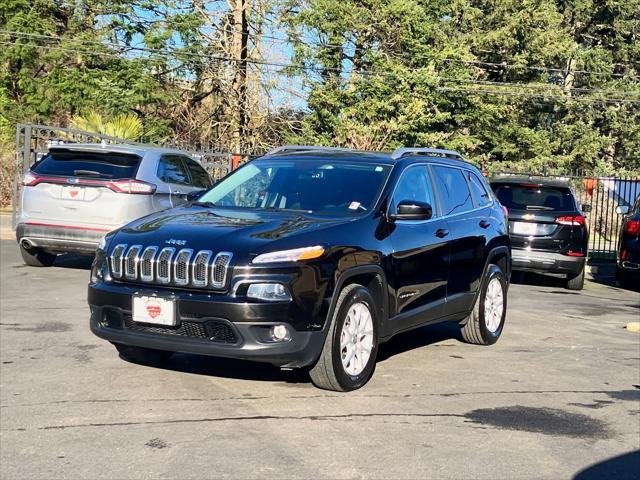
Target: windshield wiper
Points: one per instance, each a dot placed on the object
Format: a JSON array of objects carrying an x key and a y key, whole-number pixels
[
  {"x": 203, "y": 204},
  {"x": 90, "y": 173},
  {"x": 538, "y": 207}
]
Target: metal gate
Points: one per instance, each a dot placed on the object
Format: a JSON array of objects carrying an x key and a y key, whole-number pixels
[
  {"x": 604, "y": 195},
  {"x": 33, "y": 141}
]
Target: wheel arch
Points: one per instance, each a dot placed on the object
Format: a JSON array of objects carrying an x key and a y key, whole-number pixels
[{"x": 373, "y": 278}]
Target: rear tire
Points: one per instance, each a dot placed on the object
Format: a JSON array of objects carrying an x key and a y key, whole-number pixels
[
  {"x": 35, "y": 257},
  {"x": 145, "y": 356},
  {"x": 484, "y": 325},
  {"x": 577, "y": 282},
  {"x": 353, "y": 330}
]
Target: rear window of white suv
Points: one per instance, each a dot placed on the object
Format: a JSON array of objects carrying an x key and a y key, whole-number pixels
[{"x": 107, "y": 165}]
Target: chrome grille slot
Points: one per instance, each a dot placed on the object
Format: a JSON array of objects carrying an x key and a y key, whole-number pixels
[
  {"x": 147, "y": 264},
  {"x": 116, "y": 260},
  {"x": 181, "y": 267},
  {"x": 200, "y": 268},
  {"x": 163, "y": 265},
  {"x": 220, "y": 269},
  {"x": 131, "y": 262},
  {"x": 168, "y": 266}
]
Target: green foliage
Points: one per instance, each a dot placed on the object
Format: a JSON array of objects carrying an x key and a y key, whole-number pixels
[
  {"x": 382, "y": 70},
  {"x": 511, "y": 84},
  {"x": 71, "y": 68},
  {"x": 126, "y": 125}
]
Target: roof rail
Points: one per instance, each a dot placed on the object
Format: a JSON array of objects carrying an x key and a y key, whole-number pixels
[
  {"x": 437, "y": 152},
  {"x": 305, "y": 148}
]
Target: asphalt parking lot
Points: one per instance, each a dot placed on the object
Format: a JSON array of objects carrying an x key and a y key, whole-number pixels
[{"x": 557, "y": 397}]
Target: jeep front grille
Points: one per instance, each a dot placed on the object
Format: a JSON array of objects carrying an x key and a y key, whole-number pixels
[{"x": 165, "y": 266}]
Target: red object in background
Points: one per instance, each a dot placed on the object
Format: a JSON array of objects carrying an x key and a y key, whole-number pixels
[
  {"x": 235, "y": 161},
  {"x": 632, "y": 227},
  {"x": 589, "y": 185}
]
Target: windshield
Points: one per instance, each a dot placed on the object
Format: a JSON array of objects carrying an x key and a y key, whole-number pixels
[
  {"x": 534, "y": 197},
  {"x": 317, "y": 186}
]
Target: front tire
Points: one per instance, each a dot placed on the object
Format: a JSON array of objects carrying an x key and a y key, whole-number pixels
[
  {"x": 145, "y": 356},
  {"x": 348, "y": 357},
  {"x": 484, "y": 325},
  {"x": 35, "y": 257}
]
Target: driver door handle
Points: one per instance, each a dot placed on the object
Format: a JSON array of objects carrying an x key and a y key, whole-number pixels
[
  {"x": 441, "y": 233},
  {"x": 484, "y": 224}
]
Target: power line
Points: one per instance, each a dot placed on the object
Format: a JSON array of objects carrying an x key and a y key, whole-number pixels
[
  {"x": 477, "y": 63},
  {"x": 538, "y": 95},
  {"x": 363, "y": 73}
]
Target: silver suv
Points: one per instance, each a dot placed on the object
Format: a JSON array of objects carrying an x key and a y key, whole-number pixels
[{"x": 77, "y": 193}]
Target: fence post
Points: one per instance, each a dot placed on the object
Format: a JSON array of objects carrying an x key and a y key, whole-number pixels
[{"x": 16, "y": 169}]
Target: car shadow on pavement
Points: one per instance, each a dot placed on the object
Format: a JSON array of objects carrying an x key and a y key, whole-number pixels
[
  {"x": 622, "y": 467},
  {"x": 69, "y": 260},
  {"x": 248, "y": 370},
  {"x": 418, "y": 338},
  {"x": 538, "y": 280},
  {"x": 231, "y": 368}
]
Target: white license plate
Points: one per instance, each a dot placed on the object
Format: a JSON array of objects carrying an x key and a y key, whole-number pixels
[
  {"x": 524, "y": 228},
  {"x": 156, "y": 310},
  {"x": 73, "y": 193}
]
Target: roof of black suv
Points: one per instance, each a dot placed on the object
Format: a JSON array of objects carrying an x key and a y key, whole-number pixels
[
  {"x": 388, "y": 158},
  {"x": 531, "y": 180}
]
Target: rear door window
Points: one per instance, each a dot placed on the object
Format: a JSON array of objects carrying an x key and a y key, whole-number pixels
[
  {"x": 454, "y": 190},
  {"x": 107, "y": 165},
  {"x": 171, "y": 169},
  {"x": 480, "y": 195},
  {"x": 534, "y": 197},
  {"x": 199, "y": 176}
]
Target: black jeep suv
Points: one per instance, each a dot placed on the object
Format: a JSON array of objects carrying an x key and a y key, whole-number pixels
[
  {"x": 309, "y": 257},
  {"x": 548, "y": 228}
]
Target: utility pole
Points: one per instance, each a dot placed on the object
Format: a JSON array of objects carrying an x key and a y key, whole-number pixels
[{"x": 240, "y": 55}]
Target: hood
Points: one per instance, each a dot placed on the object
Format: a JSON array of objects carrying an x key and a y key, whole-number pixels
[{"x": 243, "y": 232}]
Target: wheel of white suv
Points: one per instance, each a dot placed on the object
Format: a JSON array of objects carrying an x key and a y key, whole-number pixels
[
  {"x": 147, "y": 356},
  {"x": 34, "y": 257},
  {"x": 485, "y": 324},
  {"x": 577, "y": 282},
  {"x": 348, "y": 357}
]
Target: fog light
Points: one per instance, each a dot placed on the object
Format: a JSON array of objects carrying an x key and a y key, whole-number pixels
[
  {"x": 271, "y": 292},
  {"x": 279, "y": 333}
]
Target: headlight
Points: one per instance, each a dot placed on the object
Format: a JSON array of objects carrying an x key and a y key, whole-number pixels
[
  {"x": 295, "y": 255},
  {"x": 271, "y": 292},
  {"x": 100, "y": 268}
]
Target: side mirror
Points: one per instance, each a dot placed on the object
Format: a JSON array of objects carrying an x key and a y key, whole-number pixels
[
  {"x": 622, "y": 209},
  {"x": 586, "y": 208},
  {"x": 413, "y": 210},
  {"x": 194, "y": 195}
]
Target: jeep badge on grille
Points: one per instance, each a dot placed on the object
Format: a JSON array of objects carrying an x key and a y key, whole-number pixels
[{"x": 173, "y": 241}]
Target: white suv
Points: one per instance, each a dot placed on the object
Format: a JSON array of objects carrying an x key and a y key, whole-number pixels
[{"x": 78, "y": 192}]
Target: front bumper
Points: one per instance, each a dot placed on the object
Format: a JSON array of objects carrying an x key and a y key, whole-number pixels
[
  {"x": 215, "y": 325},
  {"x": 61, "y": 239},
  {"x": 546, "y": 262}
]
